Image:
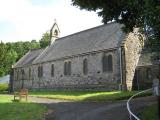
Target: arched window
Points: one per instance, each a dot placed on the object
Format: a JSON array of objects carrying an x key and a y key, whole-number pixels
[
  {"x": 17, "y": 72},
  {"x": 52, "y": 70},
  {"x": 65, "y": 68},
  {"x": 85, "y": 66},
  {"x": 104, "y": 63},
  {"x": 40, "y": 71},
  {"x": 29, "y": 73},
  {"x": 23, "y": 77},
  {"x": 110, "y": 63},
  {"x": 22, "y": 72},
  {"x": 69, "y": 68}
]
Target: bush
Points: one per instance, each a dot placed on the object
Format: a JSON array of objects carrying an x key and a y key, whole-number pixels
[{"x": 3, "y": 87}]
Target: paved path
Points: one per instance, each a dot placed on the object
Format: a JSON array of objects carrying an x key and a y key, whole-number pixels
[{"x": 66, "y": 110}]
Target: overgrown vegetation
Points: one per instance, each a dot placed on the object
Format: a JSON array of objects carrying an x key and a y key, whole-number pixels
[
  {"x": 86, "y": 96},
  {"x": 20, "y": 110},
  {"x": 150, "y": 113}
]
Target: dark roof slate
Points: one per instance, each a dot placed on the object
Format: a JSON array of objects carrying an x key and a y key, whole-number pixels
[
  {"x": 28, "y": 58},
  {"x": 94, "y": 39}
]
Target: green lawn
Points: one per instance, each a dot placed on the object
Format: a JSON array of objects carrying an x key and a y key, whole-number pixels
[
  {"x": 150, "y": 113},
  {"x": 10, "y": 110},
  {"x": 84, "y": 95},
  {"x": 3, "y": 87}
]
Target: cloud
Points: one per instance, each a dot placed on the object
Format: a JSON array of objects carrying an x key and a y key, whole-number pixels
[{"x": 28, "y": 20}]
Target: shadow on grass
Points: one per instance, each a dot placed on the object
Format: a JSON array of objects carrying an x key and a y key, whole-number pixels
[
  {"x": 3, "y": 92},
  {"x": 15, "y": 100}
]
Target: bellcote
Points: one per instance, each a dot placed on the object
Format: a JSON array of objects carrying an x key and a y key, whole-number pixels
[{"x": 54, "y": 32}]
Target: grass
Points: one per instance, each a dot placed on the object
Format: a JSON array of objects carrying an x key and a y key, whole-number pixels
[
  {"x": 3, "y": 87},
  {"x": 84, "y": 95},
  {"x": 150, "y": 113},
  {"x": 10, "y": 110}
]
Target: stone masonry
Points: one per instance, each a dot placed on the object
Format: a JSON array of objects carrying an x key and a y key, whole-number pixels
[{"x": 90, "y": 44}]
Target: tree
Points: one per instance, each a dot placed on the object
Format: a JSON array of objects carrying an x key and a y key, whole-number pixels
[
  {"x": 21, "y": 48},
  {"x": 7, "y": 58},
  {"x": 144, "y": 14},
  {"x": 45, "y": 40},
  {"x": 10, "y": 59},
  {"x": 12, "y": 52},
  {"x": 35, "y": 44},
  {"x": 2, "y": 58}
]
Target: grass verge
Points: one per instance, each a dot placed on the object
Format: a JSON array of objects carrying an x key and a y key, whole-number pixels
[
  {"x": 150, "y": 113},
  {"x": 3, "y": 87},
  {"x": 85, "y": 96},
  {"x": 10, "y": 110}
]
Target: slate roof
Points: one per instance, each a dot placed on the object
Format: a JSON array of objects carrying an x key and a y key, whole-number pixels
[
  {"x": 98, "y": 38},
  {"x": 145, "y": 59},
  {"x": 28, "y": 58}
]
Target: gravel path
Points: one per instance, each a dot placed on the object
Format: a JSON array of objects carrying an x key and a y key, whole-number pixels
[{"x": 67, "y": 110}]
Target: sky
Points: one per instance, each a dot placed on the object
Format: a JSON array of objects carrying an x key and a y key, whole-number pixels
[{"x": 25, "y": 20}]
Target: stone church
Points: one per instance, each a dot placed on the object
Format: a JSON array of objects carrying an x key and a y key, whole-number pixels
[{"x": 100, "y": 58}]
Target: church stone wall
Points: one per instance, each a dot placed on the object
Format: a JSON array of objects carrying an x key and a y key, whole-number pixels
[
  {"x": 95, "y": 79},
  {"x": 133, "y": 46},
  {"x": 22, "y": 80}
]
